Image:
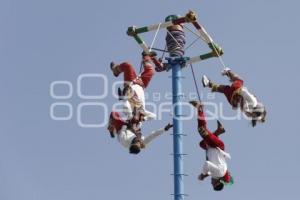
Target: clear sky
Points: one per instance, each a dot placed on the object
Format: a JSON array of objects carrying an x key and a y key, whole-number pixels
[{"x": 42, "y": 41}]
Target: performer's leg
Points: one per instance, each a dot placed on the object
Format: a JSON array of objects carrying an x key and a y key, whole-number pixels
[
  {"x": 202, "y": 129},
  {"x": 220, "y": 130},
  {"x": 128, "y": 70},
  {"x": 214, "y": 87},
  {"x": 213, "y": 141},
  {"x": 148, "y": 72}
]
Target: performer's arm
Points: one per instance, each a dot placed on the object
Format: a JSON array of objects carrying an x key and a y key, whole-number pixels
[
  {"x": 205, "y": 170},
  {"x": 149, "y": 115},
  {"x": 156, "y": 133},
  {"x": 231, "y": 75},
  {"x": 201, "y": 177}
]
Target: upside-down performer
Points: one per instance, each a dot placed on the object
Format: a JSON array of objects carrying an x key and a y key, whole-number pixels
[
  {"x": 238, "y": 96},
  {"x": 128, "y": 136},
  {"x": 133, "y": 93},
  {"x": 215, "y": 164}
]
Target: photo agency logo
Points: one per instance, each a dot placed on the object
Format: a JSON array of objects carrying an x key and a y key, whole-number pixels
[
  {"x": 91, "y": 112},
  {"x": 97, "y": 98}
]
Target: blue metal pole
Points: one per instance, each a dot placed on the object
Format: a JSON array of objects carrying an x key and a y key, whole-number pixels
[{"x": 175, "y": 64}]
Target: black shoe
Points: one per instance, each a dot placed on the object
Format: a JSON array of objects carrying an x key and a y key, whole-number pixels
[
  {"x": 114, "y": 69},
  {"x": 220, "y": 130}
]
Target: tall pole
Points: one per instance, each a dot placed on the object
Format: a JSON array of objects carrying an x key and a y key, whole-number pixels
[{"x": 175, "y": 64}]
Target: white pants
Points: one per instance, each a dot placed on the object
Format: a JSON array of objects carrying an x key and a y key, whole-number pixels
[
  {"x": 250, "y": 101},
  {"x": 215, "y": 171},
  {"x": 138, "y": 101}
]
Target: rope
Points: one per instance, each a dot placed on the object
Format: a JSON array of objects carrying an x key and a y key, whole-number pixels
[
  {"x": 162, "y": 50},
  {"x": 199, "y": 98},
  {"x": 195, "y": 82},
  {"x": 175, "y": 41},
  {"x": 192, "y": 44},
  {"x": 141, "y": 66},
  {"x": 155, "y": 37},
  {"x": 199, "y": 36},
  {"x": 173, "y": 37},
  {"x": 152, "y": 43}
]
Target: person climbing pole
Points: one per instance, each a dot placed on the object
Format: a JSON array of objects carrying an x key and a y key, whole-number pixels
[
  {"x": 238, "y": 96},
  {"x": 133, "y": 93},
  {"x": 127, "y": 136},
  {"x": 215, "y": 164}
]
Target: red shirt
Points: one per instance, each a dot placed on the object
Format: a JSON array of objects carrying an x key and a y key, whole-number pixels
[{"x": 231, "y": 91}]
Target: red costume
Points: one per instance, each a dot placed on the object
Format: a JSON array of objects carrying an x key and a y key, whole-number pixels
[
  {"x": 130, "y": 74},
  {"x": 231, "y": 92},
  {"x": 210, "y": 140}
]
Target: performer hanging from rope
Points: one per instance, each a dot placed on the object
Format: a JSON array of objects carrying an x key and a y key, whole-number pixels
[
  {"x": 215, "y": 164},
  {"x": 128, "y": 137},
  {"x": 238, "y": 96},
  {"x": 134, "y": 86}
]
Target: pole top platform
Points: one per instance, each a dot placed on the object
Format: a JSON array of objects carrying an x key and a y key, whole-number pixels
[{"x": 176, "y": 60}]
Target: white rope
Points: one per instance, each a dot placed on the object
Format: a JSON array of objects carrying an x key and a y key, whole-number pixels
[
  {"x": 141, "y": 66},
  {"x": 173, "y": 37},
  {"x": 155, "y": 36},
  {"x": 199, "y": 35},
  {"x": 192, "y": 43}
]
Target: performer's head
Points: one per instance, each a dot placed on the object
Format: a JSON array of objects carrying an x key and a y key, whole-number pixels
[
  {"x": 259, "y": 114},
  {"x": 217, "y": 184},
  {"x": 135, "y": 146}
]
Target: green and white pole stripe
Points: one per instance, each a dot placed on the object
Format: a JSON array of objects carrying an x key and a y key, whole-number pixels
[
  {"x": 142, "y": 43},
  {"x": 154, "y": 27},
  {"x": 200, "y": 58}
]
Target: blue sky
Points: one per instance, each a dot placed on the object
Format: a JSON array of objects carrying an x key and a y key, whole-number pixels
[{"x": 44, "y": 41}]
